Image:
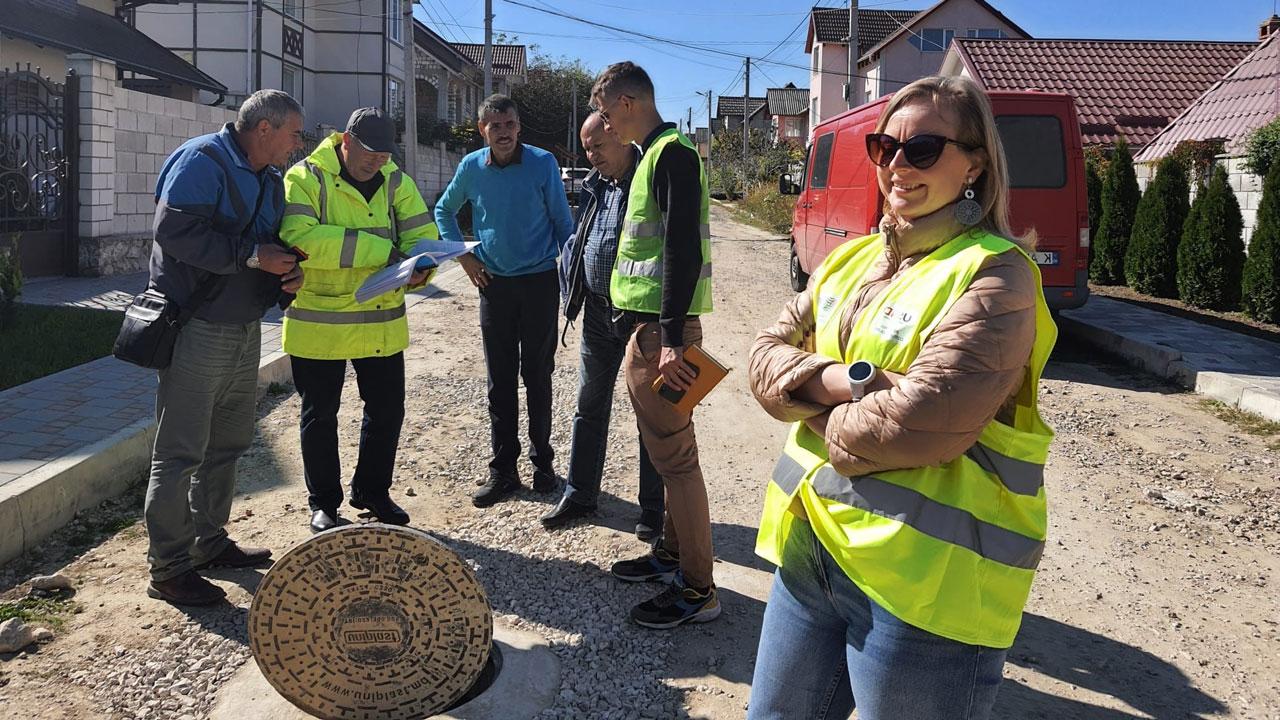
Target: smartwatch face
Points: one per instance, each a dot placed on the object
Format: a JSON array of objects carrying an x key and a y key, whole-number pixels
[{"x": 861, "y": 371}]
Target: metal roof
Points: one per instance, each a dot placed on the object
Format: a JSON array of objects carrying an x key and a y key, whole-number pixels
[
  {"x": 789, "y": 100},
  {"x": 831, "y": 25},
  {"x": 508, "y": 60}
]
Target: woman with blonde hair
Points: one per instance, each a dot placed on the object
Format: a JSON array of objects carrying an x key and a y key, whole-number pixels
[{"x": 907, "y": 511}]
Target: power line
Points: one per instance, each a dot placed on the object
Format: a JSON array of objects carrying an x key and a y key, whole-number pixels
[
  {"x": 445, "y": 6},
  {"x": 434, "y": 19}
]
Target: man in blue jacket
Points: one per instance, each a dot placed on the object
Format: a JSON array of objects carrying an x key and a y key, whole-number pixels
[
  {"x": 521, "y": 219},
  {"x": 219, "y": 200}
]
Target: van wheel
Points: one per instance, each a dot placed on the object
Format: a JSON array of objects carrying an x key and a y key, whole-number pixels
[{"x": 799, "y": 279}]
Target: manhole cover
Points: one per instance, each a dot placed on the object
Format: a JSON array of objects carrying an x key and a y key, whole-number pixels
[{"x": 370, "y": 621}]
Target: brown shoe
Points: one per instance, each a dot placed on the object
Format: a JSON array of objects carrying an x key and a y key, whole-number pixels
[
  {"x": 186, "y": 589},
  {"x": 234, "y": 556}
]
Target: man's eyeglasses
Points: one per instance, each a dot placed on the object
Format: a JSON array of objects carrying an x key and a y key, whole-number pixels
[
  {"x": 921, "y": 151},
  {"x": 604, "y": 111}
]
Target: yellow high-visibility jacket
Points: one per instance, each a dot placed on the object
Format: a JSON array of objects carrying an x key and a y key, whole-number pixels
[{"x": 347, "y": 239}]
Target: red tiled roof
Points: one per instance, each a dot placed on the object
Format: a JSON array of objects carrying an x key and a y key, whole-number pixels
[
  {"x": 508, "y": 60},
  {"x": 831, "y": 25},
  {"x": 1122, "y": 87},
  {"x": 1235, "y": 106}
]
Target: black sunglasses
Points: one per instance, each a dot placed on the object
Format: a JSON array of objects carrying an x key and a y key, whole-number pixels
[{"x": 922, "y": 151}]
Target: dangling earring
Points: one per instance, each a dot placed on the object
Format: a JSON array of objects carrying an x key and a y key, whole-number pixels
[{"x": 968, "y": 212}]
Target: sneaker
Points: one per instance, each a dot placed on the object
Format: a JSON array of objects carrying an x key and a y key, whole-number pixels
[
  {"x": 657, "y": 565},
  {"x": 186, "y": 589},
  {"x": 677, "y": 605},
  {"x": 499, "y": 487}
]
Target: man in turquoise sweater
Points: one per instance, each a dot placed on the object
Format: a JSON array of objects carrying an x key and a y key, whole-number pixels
[{"x": 521, "y": 218}]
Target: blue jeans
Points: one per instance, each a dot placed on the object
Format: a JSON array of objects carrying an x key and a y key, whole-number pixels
[
  {"x": 601, "y": 356},
  {"x": 825, "y": 644}
]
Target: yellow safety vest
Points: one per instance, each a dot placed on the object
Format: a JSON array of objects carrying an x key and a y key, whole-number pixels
[
  {"x": 951, "y": 549},
  {"x": 636, "y": 282},
  {"x": 347, "y": 239}
]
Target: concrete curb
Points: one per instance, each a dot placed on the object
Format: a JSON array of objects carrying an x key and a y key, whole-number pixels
[{"x": 1233, "y": 389}]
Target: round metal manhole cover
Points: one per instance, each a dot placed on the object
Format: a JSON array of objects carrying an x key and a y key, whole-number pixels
[{"x": 370, "y": 621}]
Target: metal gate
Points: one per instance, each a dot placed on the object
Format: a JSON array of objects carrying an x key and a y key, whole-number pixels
[{"x": 38, "y": 146}]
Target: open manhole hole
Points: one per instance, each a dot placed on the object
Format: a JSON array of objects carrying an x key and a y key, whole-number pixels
[{"x": 373, "y": 621}]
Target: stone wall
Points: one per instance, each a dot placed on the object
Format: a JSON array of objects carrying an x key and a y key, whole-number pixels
[{"x": 436, "y": 166}]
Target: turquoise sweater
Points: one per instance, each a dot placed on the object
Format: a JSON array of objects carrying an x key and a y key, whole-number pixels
[{"x": 519, "y": 212}]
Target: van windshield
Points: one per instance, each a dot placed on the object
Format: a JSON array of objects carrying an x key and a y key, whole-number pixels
[{"x": 1033, "y": 147}]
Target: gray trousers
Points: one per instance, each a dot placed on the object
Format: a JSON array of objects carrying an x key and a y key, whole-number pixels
[{"x": 205, "y": 410}]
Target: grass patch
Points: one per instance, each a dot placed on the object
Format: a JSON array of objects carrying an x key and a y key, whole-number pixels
[
  {"x": 40, "y": 340},
  {"x": 1248, "y": 422},
  {"x": 46, "y": 612},
  {"x": 764, "y": 208}
]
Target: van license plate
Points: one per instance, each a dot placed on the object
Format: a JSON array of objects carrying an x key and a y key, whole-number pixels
[{"x": 1045, "y": 258}]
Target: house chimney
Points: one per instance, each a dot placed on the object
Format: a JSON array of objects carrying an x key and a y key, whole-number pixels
[{"x": 1268, "y": 26}]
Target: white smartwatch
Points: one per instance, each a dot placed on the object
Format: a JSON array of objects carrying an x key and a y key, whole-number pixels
[{"x": 861, "y": 374}]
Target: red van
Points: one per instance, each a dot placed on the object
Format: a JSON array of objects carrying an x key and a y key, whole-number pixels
[{"x": 839, "y": 198}]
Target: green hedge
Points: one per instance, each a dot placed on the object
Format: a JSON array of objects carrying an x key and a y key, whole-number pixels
[
  {"x": 1261, "y": 282},
  {"x": 1119, "y": 201},
  {"x": 1211, "y": 253},
  {"x": 1151, "y": 259}
]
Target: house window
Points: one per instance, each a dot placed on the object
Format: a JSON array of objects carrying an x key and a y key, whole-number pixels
[
  {"x": 987, "y": 33},
  {"x": 395, "y": 98},
  {"x": 293, "y": 8},
  {"x": 814, "y": 63},
  {"x": 932, "y": 39},
  {"x": 395, "y": 20},
  {"x": 291, "y": 81}
]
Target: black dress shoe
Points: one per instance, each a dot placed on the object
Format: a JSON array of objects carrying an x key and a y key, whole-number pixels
[
  {"x": 235, "y": 556},
  {"x": 322, "y": 520},
  {"x": 186, "y": 589},
  {"x": 498, "y": 487},
  {"x": 649, "y": 527},
  {"x": 565, "y": 511},
  {"x": 383, "y": 508}
]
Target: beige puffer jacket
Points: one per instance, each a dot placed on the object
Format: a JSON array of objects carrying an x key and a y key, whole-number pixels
[{"x": 965, "y": 375}]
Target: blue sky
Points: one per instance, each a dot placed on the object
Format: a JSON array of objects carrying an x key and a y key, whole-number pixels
[{"x": 736, "y": 28}]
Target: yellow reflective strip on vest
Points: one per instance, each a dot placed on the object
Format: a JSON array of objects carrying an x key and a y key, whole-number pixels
[
  {"x": 652, "y": 268},
  {"x": 413, "y": 222},
  {"x": 349, "y": 238},
  {"x": 324, "y": 193},
  {"x": 1018, "y": 476},
  {"x": 934, "y": 519},
  {"x": 358, "y": 317},
  {"x": 300, "y": 209}
]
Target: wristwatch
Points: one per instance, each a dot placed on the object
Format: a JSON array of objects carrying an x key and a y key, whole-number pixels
[
  {"x": 252, "y": 261},
  {"x": 861, "y": 374}
]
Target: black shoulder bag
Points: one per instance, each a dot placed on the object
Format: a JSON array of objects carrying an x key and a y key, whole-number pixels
[{"x": 152, "y": 321}]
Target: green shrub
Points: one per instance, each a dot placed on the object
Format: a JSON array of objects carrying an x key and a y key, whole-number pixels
[
  {"x": 1151, "y": 260},
  {"x": 1119, "y": 201},
  {"x": 1093, "y": 184},
  {"x": 1211, "y": 253},
  {"x": 1262, "y": 148},
  {"x": 10, "y": 274},
  {"x": 1261, "y": 283},
  {"x": 767, "y": 210}
]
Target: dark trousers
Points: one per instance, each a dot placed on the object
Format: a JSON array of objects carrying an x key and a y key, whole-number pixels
[
  {"x": 518, "y": 324},
  {"x": 319, "y": 383},
  {"x": 601, "y": 356}
]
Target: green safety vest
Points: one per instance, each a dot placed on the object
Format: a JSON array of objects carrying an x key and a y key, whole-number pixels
[
  {"x": 347, "y": 239},
  {"x": 952, "y": 548},
  {"x": 636, "y": 282}
]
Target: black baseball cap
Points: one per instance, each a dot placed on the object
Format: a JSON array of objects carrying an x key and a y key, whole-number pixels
[{"x": 373, "y": 129}]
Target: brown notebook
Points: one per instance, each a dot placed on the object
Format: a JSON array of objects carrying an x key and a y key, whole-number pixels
[{"x": 707, "y": 371}]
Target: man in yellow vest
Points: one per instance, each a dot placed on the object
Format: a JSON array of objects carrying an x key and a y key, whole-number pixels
[
  {"x": 661, "y": 283},
  {"x": 351, "y": 211}
]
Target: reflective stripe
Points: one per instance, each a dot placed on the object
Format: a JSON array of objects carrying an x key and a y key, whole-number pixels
[
  {"x": 344, "y": 318},
  {"x": 657, "y": 229},
  {"x": 379, "y": 231},
  {"x": 324, "y": 192},
  {"x": 348, "y": 257},
  {"x": 1019, "y": 476},
  {"x": 651, "y": 268},
  {"x": 393, "y": 184},
  {"x": 300, "y": 209},
  {"x": 932, "y": 518},
  {"x": 414, "y": 222},
  {"x": 788, "y": 473}
]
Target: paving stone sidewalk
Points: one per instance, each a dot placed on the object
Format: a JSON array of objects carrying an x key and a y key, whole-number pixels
[{"x": 1236, "y": 369}]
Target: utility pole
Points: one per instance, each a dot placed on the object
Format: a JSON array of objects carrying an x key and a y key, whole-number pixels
[
  {"x": 746, "y": 119},
  {"x": 853, "y": 54},
  {"x": 710, "y": 129},
  {"x": 488, "y": 48},
  {"x": 573, "y": 129},
  {"x": 410, "y": 96},
  {"x": 688, "y": 124}
]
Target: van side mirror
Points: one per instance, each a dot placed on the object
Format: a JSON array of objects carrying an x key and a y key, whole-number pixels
[{"x": 787, "y": 186}]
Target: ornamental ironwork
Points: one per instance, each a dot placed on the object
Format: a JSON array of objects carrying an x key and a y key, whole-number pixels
[{"x": 33, "y": 161}]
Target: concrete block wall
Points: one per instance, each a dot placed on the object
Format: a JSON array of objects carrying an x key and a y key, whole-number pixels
[{"x": 436, "y": 166}]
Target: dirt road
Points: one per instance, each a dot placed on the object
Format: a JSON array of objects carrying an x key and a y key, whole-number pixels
[{"x": 1156, "y": 598}]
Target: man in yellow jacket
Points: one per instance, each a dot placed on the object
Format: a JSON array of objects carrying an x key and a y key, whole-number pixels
[{"x": 351, "y": 211}]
